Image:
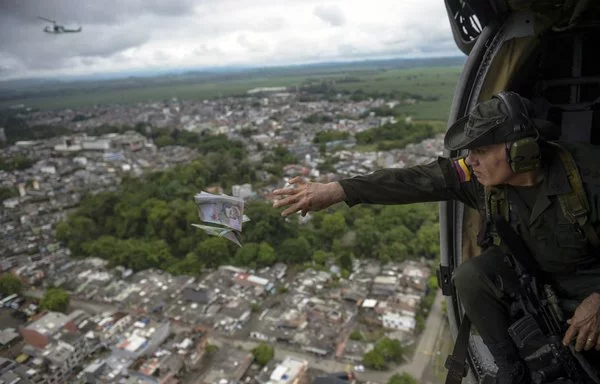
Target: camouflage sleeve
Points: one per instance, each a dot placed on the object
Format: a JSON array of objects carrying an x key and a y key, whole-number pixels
[{"x": 440, "y": 180}]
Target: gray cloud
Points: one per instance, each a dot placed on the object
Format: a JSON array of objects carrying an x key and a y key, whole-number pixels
[
  {"x": 35, "y": 49},
  {"x": 205, "y": 50},
  {"x": 92, "y": 12},
  {"x": 331, "y": 14},
  {"x": 140, "y": 34},
  {"x": 270, "y": 24},
  {"x": 250, "y": 44}
]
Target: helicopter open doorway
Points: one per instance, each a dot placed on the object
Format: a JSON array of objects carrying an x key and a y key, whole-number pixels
[
  {"x": 543, "y": 51},
  {"x": 58, "y": 28}
]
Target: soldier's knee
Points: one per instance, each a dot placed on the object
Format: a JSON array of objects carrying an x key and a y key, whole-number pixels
[
  {"x": 479, "y": 275},
  {"x": 465, "y": 276}
]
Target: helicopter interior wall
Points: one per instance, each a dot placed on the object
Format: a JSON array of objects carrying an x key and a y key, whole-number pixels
[
  {"x": 561, "y": 74},
  {"x": 566, "y": 85},
  {"x": 546, "y": 69},
  {"x": 543, "y": 68}
]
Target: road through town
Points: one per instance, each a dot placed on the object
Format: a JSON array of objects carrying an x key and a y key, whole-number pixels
[{"x": 426, "y": 346}]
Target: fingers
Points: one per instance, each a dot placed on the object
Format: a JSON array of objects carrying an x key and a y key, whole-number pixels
[
  {"x": 591, "y": 341},
  {"x": 293, "y": 209},
  {"x": 297, "y": 180},
  {"x": 580, "y": 341},
  {"x": 285, "y": 191},
  {"x": 296, "y": 197},
  {"x": 570, "y": 334},
  {"x": 291, "y": 191},
  {"x": 284, "y": 201},
  {"x": 586, "y": 339}
]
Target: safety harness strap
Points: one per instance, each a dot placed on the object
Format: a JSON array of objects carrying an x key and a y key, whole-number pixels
[
  {"x": 495, "y": 205},
  {"x": 574, "y": 204},
  {"x": 456, "y": 362}
]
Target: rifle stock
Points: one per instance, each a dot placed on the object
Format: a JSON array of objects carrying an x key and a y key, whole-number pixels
[{"x": 543, "y": 316}]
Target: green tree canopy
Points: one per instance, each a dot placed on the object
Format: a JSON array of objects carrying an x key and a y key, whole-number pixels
[
  {"x": 267, "y": 225},
  {"x": 10, "y": 284},
  {"x": 334, "y": 226},
  {"x": 326, "y": 136},
  {"x": 356, "y": 335},
  {"x": 321, "y": 257},
  {"x": 147, "y": 222},
  {"x": 374, "y": 360},
  {"x": 390, "y": 349},
  {"x": 397, "y": 135},
  {"x": 403, "y": 378},
  {"x": 247, "y": 255},
  {"x": 7, "y": 193},
  {"x": 266, "y": 254},
  {"x": 15, "y": 163},
  {"x": 368, "y": 238},
  {"x": 213, "y": 252},
  {"x": 386, "y": 351},
  {"x": 263, "y": 353},
  {"x": 295, "y": 251},
  {"x": 56, "y": 299},
  {"x": 252, "y": 255}
]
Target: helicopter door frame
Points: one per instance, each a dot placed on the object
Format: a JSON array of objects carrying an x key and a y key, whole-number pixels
[{"x": 473, "y": 85}]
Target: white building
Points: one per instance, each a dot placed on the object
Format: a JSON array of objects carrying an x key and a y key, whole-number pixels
[
  {"x": 50, "y": 169},
  {"x": 11, "y": 203},
  {"x": 96, "y": 144},
  {"x": 396, "y": 321},
  {"x": 289, "y": 371},
  {"x": 242, "y": 191}
]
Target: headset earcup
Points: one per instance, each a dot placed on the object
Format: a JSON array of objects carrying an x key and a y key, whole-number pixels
[
  {"x": 507, "y": 148},
  {"x": 524, "y": 155}
]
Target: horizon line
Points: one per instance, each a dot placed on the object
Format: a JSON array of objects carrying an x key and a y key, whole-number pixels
[{"x": 147, "y": 72}]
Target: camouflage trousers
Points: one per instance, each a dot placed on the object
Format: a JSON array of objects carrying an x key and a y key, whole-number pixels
[{"x": 486, "y": 285}]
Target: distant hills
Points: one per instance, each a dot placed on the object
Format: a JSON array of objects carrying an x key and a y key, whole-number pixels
[
  {"x": 192, "y": 83},
  {"x": 225, "y": 73}
]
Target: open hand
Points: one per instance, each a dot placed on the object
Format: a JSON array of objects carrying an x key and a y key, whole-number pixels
[
  {"x": 308, "y": 196},
  {"x": 585, "y": 325}
]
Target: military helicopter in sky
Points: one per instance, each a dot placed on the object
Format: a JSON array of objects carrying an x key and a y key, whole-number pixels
[
  {"x": 543, "y": 50},
  {"x": 57, "y": 28}
]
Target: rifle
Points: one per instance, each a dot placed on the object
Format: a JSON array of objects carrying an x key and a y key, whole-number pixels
[{"x": 543, "y": 316}]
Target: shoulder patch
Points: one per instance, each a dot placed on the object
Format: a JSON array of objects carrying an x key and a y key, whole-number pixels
[{"x": 462, "y": 170}]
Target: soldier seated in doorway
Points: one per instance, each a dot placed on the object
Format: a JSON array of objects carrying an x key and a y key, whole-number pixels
[{"x": 532, "y": 183}]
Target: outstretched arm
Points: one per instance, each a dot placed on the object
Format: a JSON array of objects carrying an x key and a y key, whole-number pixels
[
  {"x": 438, "y": 181},
  {"x": 307, "y": 196}
]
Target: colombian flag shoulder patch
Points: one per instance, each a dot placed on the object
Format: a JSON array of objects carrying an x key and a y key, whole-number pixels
[{"x": 462, "y": 170}]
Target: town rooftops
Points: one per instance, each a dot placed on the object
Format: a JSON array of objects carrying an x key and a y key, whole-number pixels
[
  {"x": 229, "y": 364},
  {"x": 49, "y": 324},
  {"x": 7, "y": 336},
  {"x": 287, "y": 371},
  {"x": 385, "y": 280}
]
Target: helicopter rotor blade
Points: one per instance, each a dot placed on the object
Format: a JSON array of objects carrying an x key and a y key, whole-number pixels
[{"x": 43, "y": 18}]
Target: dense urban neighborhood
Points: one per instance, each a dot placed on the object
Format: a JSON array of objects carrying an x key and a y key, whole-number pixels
[{"x": 260, "y": 324}]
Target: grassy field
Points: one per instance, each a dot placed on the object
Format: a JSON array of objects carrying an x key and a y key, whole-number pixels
[
  {"x": 435, "y": 82},
  {"x": 438, "y": 82}
]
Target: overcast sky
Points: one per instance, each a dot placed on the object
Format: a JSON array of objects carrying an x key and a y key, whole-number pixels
[{"x": 127, "y": 35}]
